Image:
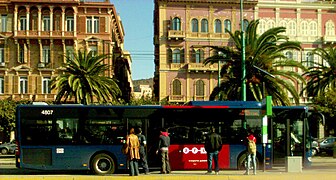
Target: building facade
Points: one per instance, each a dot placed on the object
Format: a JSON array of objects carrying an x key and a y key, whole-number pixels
[
  {"x": 184, "y": 28},
  {"x": 35, "y": 36}
]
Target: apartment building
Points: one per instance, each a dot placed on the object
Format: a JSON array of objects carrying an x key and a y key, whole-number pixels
[
  {"x": 183, "y": 29},
  {"x": 35, "y": 36}
]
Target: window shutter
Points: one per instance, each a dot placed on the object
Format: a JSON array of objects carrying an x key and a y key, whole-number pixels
[
  {"x": 182, "y": 56},
  {"x": 25, "y": 59},
  {"x": 39, "y": 85},
  {"x": 169, "y": 55},
  {"x": 102, "y": 25},
  {"x": 31, "y": 83},
  {"x": 81, "y": 26},
  {"x": 16, "y": 84},
  {"x": 7, "y": 84},
  {"x": 9, "y": 22}
]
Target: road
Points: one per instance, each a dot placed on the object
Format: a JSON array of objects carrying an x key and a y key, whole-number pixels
[{"x": 323, "y": 167}]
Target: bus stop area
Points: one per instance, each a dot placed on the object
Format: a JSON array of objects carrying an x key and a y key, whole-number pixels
[{"x": 322, "y": 168}]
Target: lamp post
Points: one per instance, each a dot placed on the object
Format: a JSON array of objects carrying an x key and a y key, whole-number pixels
[{"x": 243, "y": 73}]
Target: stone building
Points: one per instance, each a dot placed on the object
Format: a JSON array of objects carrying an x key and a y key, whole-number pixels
[{"x": 35, "y": 36}]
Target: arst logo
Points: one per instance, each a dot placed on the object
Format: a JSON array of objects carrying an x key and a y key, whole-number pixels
[{"x": 194, "y": 150}]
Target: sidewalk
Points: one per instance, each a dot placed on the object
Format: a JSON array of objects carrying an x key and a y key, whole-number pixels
[{"x": 322, "y": 168}]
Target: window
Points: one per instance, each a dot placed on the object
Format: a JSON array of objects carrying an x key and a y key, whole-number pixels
[
  {"x": 34, "y": 21},
  {"x": 292, "y": 28},
  {"x": 176, "y": 56},
  {"x": 93, "y": 50},
  {"x": 46, "y": 23},
  {"x": 70, "y": 23},
  {"x": 304, "y": 28},
  {"x": 270, "y": 24},
  {"x": 2, "y": 85},
  {"x": 46, "y": 54},
  {"x": 2, "y": 54},
  {"x": 289, "y": 55},
  {"x": 69, "y": 52},
  {"x": 199, "y": 88},
  {"x": 309, "y": 59},
  {"x": 227, "y": 25},
  {"x": 23, "y": 86},
  {"x": 176, "y": 24},
  {"x": 176, "y": 87},
  {"x": 21, "y": 53},
  {"x": 245, "y": 24},
  {"x": 23, "y": 23},
  {"x": 3, "y": 23},
  {"x": 204, "y": 25},
  {"x": 199, "y": 56},
  {"x": 218, "y": 26},
  {"x": 57, "y": 20},
  {"x": 92, "y": 24},
  {"x": 46, "y": 85},
  {"x": 194, "y": 25},
  {"x": 313, "y": 28},
  {"x": 262, "y": 26},
  {"x": 330, "y": 28}
]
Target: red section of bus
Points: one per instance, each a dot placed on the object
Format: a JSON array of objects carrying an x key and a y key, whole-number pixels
[
  {"x": 195, "y": 107},
  {"x": 195, "y": 157}
]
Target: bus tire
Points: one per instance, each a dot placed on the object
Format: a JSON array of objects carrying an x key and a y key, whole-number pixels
[
  {"x": 242, "y": 161},
  {"x": 103, "y": 164},
  {"x": 4, "y": 151}
]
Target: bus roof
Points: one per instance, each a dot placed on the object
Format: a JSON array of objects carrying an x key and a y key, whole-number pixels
[{"x": 228, "y": 104}]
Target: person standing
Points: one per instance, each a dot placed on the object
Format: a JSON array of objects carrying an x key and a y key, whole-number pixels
[
  {"x": 213, "y": 144},
  {"x": 143, "y": 143},
  {"x": 164, "y": 143},
  {"x": 251, "y": 152},
  {"x": 133, "y": 153}
]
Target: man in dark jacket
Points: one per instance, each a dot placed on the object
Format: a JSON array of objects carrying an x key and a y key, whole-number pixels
[
  {"x": 213, "y": 144},
  {"x": 164, "y": 143},
  {"x": 143, "y": 143}
]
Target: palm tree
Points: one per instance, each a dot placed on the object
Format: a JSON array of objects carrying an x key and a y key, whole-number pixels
[
  {"x": 83, "y": 79},
  {"x": 321, "y": 77},
  {"x": 266, "y": 66}
]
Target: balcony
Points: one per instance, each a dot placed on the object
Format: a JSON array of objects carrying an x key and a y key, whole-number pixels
[
  {"x": 44, "y": 34},
  {"x": 201, "y": 67},
  {"x": 176, "y": 35},
  {"x": 329, "y": 38}
]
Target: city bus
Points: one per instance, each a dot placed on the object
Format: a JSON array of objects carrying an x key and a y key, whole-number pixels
[{"x": 82, "y": 137}]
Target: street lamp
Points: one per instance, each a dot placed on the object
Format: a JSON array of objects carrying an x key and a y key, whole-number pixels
[{"x": 243, "y": 74}]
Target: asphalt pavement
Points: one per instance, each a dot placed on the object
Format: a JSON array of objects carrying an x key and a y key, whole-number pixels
[{"x": 322, "y": 168}]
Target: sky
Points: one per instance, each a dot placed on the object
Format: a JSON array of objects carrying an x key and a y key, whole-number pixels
[{"x": 137, "y": 19}]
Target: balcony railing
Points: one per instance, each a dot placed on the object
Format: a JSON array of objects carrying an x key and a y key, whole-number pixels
[
  {"x": 177, "y": 98},
  {"x": 201, "y": 67},
  {"x": 173, "y": 34}
]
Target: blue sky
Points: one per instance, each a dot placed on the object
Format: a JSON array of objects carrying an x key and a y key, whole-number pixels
[{"x": 137, "y": 19}]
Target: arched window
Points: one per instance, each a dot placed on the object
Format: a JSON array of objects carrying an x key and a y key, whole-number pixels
[
  {"x": 176, "y": 24},
  {"x": 246, "y": 23},
  {"x": 176, "y": 56},
  {"x": 227, "y": 25},
  {"x": 283, "y": 24},
  {"x": 313, "y": 28},
  {"x": 199, "y": 56},
  {"x": 199, "y": 88},
  {"x": 304, "y": 28},
  {"x": 262, "y": 26},
  {"x": 310, "y": 59},
  {"x": 292, "y": 28},
  {"x": 270, "y": 24},
  {"x": 194, "y": 25},
  {"x": 289, "y": 55},
  {"x": 330, "y": 28},
  {"x": 204, "y": 25},
  {"x": 218, "y": 26},
  {"x": 176, "y": 87}
]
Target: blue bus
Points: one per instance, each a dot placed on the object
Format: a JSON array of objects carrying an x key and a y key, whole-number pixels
[{"x": 79, "y": 137}]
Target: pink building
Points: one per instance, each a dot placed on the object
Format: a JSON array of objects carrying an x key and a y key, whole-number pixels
[{"x": 182, "y": 29}]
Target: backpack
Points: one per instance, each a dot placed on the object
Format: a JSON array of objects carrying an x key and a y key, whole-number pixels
[{"x": 252, "y": 148}]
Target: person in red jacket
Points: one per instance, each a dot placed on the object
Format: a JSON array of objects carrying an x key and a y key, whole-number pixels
[{"x": 251, "y": 152}]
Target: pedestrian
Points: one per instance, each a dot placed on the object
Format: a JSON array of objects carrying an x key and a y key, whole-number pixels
[
  {"x": 133, "y": 154},
  {"x": 251, "y": 152},
  {"x": 213, "y": 144},
  {"x": 164, "y": 143},
  {"x": 143, "y": 156}
]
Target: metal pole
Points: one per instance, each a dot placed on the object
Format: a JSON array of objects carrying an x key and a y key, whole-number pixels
[{"x": 243, "y": 84}]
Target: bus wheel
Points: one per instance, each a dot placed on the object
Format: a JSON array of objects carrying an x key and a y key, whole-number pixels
[
  {"x": 242, "y": 162},
  {"x": 103, "y": 164}
]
